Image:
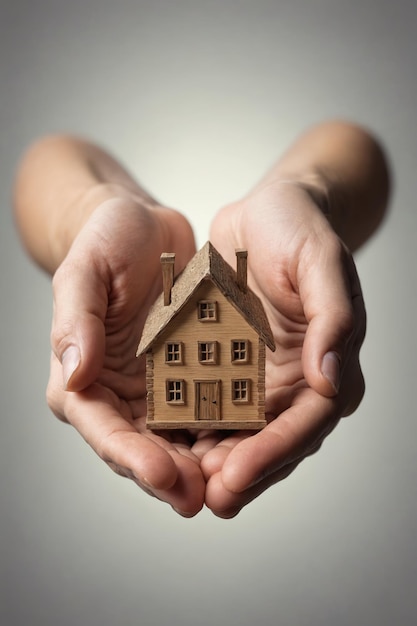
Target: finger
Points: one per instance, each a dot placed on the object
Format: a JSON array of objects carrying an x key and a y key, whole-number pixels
[
  {"x": 202, "y": 445},
  {"x": 55, "y": 393},
  {"x": 326, "y": 290},
  {"x": 286, "y": 439},
  {"x": 213, "y": 460},
  {"x": 353, "y": 384},
  {"x": 78, "y": 335},
  {"x": 215, "y": 456},
  {"x": 102, "y": 420},
  {"x": 186, "y": 496},
  {"x": 227, "y": 504}
]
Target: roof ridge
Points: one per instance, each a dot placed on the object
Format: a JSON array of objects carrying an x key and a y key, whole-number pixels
[{"x": 206, "y": 263}]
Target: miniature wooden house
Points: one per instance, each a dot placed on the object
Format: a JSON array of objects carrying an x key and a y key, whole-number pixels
[{"x": 205, "y": 342}]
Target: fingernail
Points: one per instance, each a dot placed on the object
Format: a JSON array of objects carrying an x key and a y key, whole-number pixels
[
  {"x": 183, "y": 513},
  {"x": 330, "y": 368},
  {"x": 70, "y": 361}
]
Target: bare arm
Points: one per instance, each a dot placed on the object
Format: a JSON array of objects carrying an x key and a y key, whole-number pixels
[
  {"x": 345, "y": 169},
  {"x": 61, "y": 180}
]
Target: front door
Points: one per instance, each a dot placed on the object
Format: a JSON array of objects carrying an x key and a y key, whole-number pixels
[{"x": 207, "y": 396}]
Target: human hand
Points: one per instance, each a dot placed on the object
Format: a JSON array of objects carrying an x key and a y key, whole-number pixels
[
  {"x": 102, "y": 292},
  {"x": 108, "y": 276},
  {"x": 307, "y": 281}
]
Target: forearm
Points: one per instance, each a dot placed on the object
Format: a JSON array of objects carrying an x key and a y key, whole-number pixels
[
  {"x": 345, "y": 169},
  {"x": 60, "y": 181}
]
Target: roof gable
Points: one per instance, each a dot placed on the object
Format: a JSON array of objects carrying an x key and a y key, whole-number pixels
[{"x": 207, "y": 263}]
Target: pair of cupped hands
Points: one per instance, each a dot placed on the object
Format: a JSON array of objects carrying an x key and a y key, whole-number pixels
[{"x": 103, "y": 289}]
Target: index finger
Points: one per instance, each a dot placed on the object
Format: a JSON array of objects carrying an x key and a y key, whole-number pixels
[{"x": 284, "y": 441}]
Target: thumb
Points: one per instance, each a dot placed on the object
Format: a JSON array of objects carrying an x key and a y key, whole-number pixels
[
  {"x": 331, "y": 322},
  {"x": 78, "y": 333},
  {"x": 324, "y": 350}
]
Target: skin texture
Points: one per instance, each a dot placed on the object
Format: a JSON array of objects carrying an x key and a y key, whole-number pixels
[{"x": 85, "y": 220}]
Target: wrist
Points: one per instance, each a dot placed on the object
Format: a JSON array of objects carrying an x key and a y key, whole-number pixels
[
  {"x": 69, "y": 221},
  {"x": 325, "y": 192},
  {"x": 315, "y": 183}
]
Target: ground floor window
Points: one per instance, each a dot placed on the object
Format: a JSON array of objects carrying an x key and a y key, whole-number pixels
[
  {"x": 241, "y": 390},
  {"x": 175, "y": 391}
]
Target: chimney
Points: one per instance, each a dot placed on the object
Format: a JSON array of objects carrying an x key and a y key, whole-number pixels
[
  {"x": 242, "y": 269},
  {"x": 167, "y": 262}
]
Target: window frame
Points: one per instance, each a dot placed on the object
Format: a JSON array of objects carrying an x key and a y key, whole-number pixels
[
  {"x": 208, "y": 306},
  {"x": 238, "y": 390},
  {"x": 215, "y": 351},
  {"x": 246, "y": 349},
  {"x": 176, "y": 390},
  {"x": 179, "y": 351}
]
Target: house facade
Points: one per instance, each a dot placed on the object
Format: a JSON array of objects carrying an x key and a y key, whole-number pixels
[{"x": 205, "y": 348}]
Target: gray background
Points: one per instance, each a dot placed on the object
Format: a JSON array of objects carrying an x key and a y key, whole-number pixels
[{"x": 197, "y": 99}]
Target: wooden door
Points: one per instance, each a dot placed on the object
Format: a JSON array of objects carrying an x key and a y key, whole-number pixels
[{"x": 207, "y": 395}]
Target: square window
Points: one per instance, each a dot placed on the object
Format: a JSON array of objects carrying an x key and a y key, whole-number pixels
[
  {"x": 174, "y": 353},
  {"x": 175, "y": 391},
  {"x": 207, "y": 311},
  {"x": 207, "y": 352},
  {"x": 240, "y": 351},
  {"x": 241, "y": 391}
]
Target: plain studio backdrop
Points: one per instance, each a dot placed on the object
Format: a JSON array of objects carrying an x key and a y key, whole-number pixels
[{"x": 197, "y": 99}]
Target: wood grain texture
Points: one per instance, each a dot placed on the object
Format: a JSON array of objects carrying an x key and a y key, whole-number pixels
[{"x": 219, "y": 379}]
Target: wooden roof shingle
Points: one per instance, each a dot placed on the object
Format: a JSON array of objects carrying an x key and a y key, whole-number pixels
[{"x": 207, "y": 263}]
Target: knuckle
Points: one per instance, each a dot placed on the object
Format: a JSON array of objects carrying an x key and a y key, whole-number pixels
[
  {"x": 358, "y": 388},
  {"x": 336, "y": 247},
  {"x": 62, "y": 327},
  {"x": 347, "y": 322},
  {"x": 56, "y": 397},
  {"x": 61, "y": 333},
  {"x": 55, "y": 401},
  {"x": 60, "y": 277}
]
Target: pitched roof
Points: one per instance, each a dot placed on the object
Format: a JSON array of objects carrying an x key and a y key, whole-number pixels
[{"x": 207, "y": 263}]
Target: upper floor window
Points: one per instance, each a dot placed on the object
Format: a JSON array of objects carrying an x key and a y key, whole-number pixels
[
  {"x": 174, "y": 353},
  {"x": 207, "y": 352},
  {"x": 240, "y": 351},
  {"x": 207, "y": 311}
]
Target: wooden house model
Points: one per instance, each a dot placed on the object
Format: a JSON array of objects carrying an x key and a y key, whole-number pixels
[{"x": 205, "y": 342}]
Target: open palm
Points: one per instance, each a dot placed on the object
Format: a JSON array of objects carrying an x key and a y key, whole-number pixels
[
  {"x": 307, "y": 282},
  {"x": 102, "y": 294}
]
